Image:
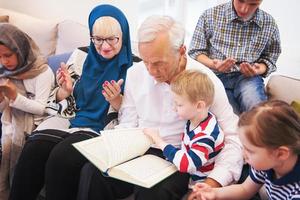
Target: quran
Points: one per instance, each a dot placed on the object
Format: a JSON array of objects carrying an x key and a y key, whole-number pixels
[{"x": 119, "y": 153}]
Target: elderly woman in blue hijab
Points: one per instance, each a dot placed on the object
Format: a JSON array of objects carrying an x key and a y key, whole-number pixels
[
  {"x": 25, "y": 84},
  {"x": 48, "y": 156}
]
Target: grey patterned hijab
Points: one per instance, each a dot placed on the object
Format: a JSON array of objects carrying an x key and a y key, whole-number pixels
[{"x": 30, "y": 61}]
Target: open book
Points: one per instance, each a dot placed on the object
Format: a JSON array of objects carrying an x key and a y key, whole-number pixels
[{"x": 119, "y": 153}]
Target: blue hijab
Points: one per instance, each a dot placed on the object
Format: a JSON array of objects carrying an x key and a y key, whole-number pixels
[{"x": 91, "y": 104}]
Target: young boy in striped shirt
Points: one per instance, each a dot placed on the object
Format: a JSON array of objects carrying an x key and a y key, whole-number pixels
[{"x": 193, "y": 93}]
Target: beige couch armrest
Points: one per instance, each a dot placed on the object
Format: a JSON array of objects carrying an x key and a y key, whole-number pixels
[{"x": 283, "y": 88}]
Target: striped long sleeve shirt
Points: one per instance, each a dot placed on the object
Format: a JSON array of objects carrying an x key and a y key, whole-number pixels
[{"x": 198, "y": 148}]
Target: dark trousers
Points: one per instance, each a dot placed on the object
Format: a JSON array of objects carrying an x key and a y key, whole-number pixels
[
  {"x": 49, "y": 157},
  {"x": 244, "y": 176},
  {"x": 95, "y": 186}
]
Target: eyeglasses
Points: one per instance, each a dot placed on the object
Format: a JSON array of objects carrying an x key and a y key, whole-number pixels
[{"x": 110, "y": 40}]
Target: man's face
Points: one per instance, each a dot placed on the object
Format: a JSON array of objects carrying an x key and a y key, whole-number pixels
[
  {"x": 245, "y": 9},
  {"x": 161, "y": 60}
]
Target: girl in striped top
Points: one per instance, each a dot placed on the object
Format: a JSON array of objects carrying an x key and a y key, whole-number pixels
[{"x": 270, "y": 134}]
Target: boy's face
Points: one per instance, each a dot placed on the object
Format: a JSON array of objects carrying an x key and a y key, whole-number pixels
[
  {"x": 260, "y": 158},
  {"x": 245, "y": 9},
  {"x": 8, "y": 58},
  {"x": 185, "y": 109}
]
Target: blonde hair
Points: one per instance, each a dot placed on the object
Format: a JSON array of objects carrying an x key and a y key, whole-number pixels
[
  {"x": 107, "y": 26},
  {"x": 195, "y": 85},
  {"x": 272, "y": 124}
]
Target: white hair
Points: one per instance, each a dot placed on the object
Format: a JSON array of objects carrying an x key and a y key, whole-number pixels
[
  {"x": 156, "y": 24},
  {"x": 107, "y": 26}
]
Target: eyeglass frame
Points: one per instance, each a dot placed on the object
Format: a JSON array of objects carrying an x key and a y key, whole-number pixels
[{"x": 96, "y": 39}]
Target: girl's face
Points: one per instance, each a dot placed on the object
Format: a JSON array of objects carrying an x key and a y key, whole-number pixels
[
  {"x": 260, "y": 158},
  {"x": 8, "y": 58}
]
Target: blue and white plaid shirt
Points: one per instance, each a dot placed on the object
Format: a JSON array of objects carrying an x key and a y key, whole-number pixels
[{"x": 221, "y": 34}]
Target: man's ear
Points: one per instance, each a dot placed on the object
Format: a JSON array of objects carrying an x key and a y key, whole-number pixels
[
  {"x": 283, "y": 153},
  {"x": 182, "y": 50}
]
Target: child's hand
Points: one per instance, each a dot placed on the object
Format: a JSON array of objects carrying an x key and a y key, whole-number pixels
[
  {"x": 112, "y": 93},
  {"x": 64, "y": 80},
  {"x": 202, "y": 191},
  {"x": 153, "y": 134}
]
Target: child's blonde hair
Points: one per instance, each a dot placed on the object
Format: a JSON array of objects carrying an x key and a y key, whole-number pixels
[
  {"x": 107, "y": 26},
  {"x": 195, "y": 85},
  {"x": 272, "y": 124}
]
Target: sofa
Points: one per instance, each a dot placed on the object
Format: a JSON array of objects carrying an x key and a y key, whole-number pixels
[{"x": 52, "y": 37}]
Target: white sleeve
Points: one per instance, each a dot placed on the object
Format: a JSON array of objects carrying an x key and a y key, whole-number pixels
[
  {"x": 229, "y": 162},
  {"x": 128, "y": 116},
  {"x": 43, "y": 84}
]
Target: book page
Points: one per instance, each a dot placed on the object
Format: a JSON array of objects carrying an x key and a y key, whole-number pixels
[
  {"x": 145, "y": 171},
  {"x": 114, "y": 147},
  {"x": 95, "y": 151},
  {"x": 125, "y": 144}
]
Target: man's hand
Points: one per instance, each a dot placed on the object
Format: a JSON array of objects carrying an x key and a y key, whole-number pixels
[
  {"x": 252, "y": 70},
  {"x": 223, "y": 65},
  {"x": 204, "y": 190}
]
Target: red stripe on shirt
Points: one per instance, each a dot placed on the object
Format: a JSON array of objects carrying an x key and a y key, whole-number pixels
[
  {"x": 219, "y": 147},
  {"x": 201, "y": 149},
  {"x": 184, "y": 163},
  {"x": 207, "y": 168}
]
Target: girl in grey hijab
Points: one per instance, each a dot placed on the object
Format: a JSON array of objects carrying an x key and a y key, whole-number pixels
[{"x": 25, "y": 84}]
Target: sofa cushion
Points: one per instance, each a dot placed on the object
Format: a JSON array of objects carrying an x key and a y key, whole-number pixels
[
  {"x": 71, "y": 35},
  {"x": 55, "y": 60},
  {"x": 296, "y": 106},
  {"x": 4, "y": 18},
  {"x": 43, "y": 32},
  {"x": 283, "y": 88}
]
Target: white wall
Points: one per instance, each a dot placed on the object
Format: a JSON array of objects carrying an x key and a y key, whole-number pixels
[
  {"x": 77, "y": 10},
  {"x": 285, "y": 13}
]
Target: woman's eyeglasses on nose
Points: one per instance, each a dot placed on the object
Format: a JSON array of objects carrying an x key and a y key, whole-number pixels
[{"x": 98, "y": 41}]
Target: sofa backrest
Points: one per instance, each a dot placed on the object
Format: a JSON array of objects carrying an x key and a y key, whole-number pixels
[
  {"x": 43, "y": 32},
  {"x": 283, "y": 88},
  {"x": 52, "y": 37}
]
